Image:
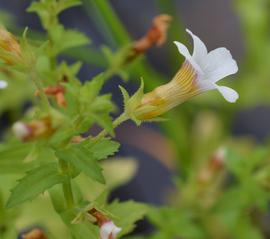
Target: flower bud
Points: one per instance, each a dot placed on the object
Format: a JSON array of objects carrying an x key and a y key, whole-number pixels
[
  {"x": 9, "y": 47},
  {"x": 156, "y": 35},
  {"x": 108, "y": 230},
  {"x": 21, "y": 130},
  {"x": 34, "y": 234},
  {"x": 215, "y": 165},
  {"x": 34, "y": 130},
  {"x": 58, "y": 92}
]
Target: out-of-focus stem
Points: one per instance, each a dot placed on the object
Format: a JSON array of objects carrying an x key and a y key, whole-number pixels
[
  {"x": 67, "y": 188},
  {"x": 44, "y": 100}
]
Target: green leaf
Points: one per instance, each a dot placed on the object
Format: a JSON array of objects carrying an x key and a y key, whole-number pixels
[
  {"x": 83, "y": 160},
  {"x": 90, "y": 90},
  {"x": 102, "y": 148},
  {"x": 15, "y": 151},
  {"x": 95, "y": 108},
  {"x": 66, "y": 39},
  {"x": 48, "y": 10},
  {"x": 35, "y": 182},
  {"x": 127, "y": 214}
]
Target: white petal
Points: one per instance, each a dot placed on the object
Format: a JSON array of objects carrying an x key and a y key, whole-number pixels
[
  {"x": 185, "y": 52},
  {"x": 3, "y": 84},
  {"x": 219, "y": 64},
  {"x": 228, "y": 93},
  {"x": 20, "y": 130},
  {"x": 116, "y": 231},
  {"x": 200, "y": 50},
  {"x": 107, "y": 229}
]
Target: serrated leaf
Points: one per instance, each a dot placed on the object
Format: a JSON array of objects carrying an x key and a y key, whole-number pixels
[
  {"x": 102, "y": 148},
  {"x": 35, "y": 182},
  {"x": 83, "y": 160},
  {"x": 90, "y": 90},
  {"x": 127, "y": 214}
]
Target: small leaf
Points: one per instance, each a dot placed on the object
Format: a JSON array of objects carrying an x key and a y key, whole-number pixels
[
  {"x": 127, "y": 214},
  {"x": 66, "y": 39},
  {"x": 35, "y": 182},
  {"x": 103, "y": 148},
  {"x": 83, "y": 160},
  {"x": 91, "y": 89}
]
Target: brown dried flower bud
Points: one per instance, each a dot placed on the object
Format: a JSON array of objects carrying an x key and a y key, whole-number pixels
[
  {"x": 58, "y": 92},
  {"x": 35, "y": 234},
  {"x": 100, "y": 218},
  {"x": 215, "y": 164},
  {"x": 155, "y": 36},
  {"x": 10, "y": 47},
  {"x": 36, "y": 129},
  {"x": 108, "y": 230}
]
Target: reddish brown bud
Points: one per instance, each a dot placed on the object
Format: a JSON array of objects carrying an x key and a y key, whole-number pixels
[
  {"x": 215, "y": 164},
  {"x": 108, "y": 230},
  {"x": 155, "y": 36},
  {"x": 35, "y": 234},
  {"x": 58, "y": 92},
  {"x": 77, "y": 139},
  {"x": 100, "y": 218},
  {"x": 36, "y": 129}
]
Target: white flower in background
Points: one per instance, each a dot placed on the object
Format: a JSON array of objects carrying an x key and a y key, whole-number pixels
[
  {"x": 199, "y": 73},
  {"x": 20, "y": 130},
  {"x": 109, "y": 230},
  {"x": 3, "y": 84},
  {"x": 210, "y": 67}
]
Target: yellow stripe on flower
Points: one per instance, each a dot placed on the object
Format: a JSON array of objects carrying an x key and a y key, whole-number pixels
[{"x": 165, "y": 97}]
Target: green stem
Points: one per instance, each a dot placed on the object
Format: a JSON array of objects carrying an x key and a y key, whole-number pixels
[
  {"x": 68, "y": 194},
  {"x": 119, "y": 120},
  {"x": 44, "y": 100},
  {"x": 67, "y": 188}
]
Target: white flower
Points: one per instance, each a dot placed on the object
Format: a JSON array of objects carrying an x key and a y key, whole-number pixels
[
  {"x": 20, "y": 130},
  {"x": 109, "y": 230},
  {"x": 199, "y": 73},
  {"x": 3, "y": 84},
  {"x": 210, "y": 67}
]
